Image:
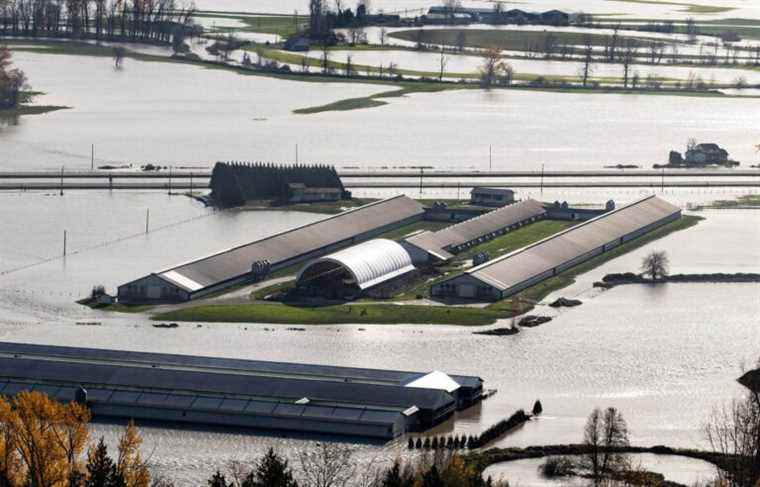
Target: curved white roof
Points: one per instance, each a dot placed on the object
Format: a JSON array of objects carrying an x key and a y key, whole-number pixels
[{"x": 371, "y": 262}]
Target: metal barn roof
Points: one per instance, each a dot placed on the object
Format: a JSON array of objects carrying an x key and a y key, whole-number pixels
[
  {"x": 224, "y": 365},
  {"x": 435, "y": 380},
  {"x": 235, "y": 262},
  {"x": 533, "y": 260},
  {"x": 474, "y": 228},
  {"x": 370, "y": 263}
]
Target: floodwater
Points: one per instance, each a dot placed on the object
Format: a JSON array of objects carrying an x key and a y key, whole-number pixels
[
  {"x": 464, "y": 64},
  {"x": 186, "y": 115},
  {"x": 685, "y": 471},
  {"x": 665, "y": 356},
  {"x": 742, "y": 8}
]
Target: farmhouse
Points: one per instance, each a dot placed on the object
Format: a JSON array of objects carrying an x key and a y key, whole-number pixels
[
  {"x": 706, "y": 154},
  {"x": 523, "y": 268},
  {"x": 254, "y": 261},
  {"x": 299, "y": 398}
]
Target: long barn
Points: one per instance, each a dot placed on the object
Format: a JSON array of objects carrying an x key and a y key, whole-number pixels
[
  {"x": 244, "y": 263},
  {"x": 301, "y": 398},
  {"x": 526, "y": 267}
]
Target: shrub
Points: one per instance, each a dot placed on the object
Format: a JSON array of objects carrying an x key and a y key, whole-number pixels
[{"x": 557, "y": 467}]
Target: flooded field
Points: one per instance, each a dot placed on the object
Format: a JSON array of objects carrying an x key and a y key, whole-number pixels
[
  {"x": 741, "y": 8},
  {"x": 685, "y": 471},
  {"x": 217, "y": 115},
  {"x": 658, "y": 359}
]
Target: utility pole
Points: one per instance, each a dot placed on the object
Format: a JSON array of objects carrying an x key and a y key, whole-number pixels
[
  {"x": 62, "y": 180},
  {"x": 64, "y": 243},
  {"x": 542, "y": 179},
  {"x": 191, "y": 184},
  {"x": 422, "y": 174},
  {"x": 147, "y": 220},
  {"x": 170, "y": 180}
]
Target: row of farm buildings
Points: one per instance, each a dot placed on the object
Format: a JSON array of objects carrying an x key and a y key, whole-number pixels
[{"x": 344, "y": 256}]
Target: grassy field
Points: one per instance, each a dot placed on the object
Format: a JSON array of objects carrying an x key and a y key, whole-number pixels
[
  {"x": 339, "y": 314},
  {"x": 518, "y": 238}
]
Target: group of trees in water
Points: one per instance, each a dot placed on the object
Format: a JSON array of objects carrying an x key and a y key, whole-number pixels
[
  {"x": 232, "y": 184},
  {"x": 135, "y": 20},
  {"x": 12, "y": 80}
]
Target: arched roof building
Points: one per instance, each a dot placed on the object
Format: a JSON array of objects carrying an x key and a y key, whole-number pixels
[{"x": 362, "y": 266}]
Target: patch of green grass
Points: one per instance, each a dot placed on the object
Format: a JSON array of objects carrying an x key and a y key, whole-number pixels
[
  {"x": 338, "y": 314},
  {"x": 523, "y": 301},
  {"x": 29, "y": 110},
  {"x": 746, "y": 201},
  {"x": 518, "y": 239},
  {"x": 376, "y": 99}
]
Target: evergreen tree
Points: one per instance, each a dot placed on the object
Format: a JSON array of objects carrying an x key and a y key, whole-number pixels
[
  {"x": 432, "y": 478},
  {"x": 101, "y": 469},
  {"x": 218, "y": 480},
  {"x": 271, "y": 471},
  {"x": 393, "y": 476}
]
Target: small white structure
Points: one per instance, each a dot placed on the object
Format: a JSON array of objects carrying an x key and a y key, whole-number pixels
[
  {"x": 492, "y": 196},
  {"x": 437, "y": 380}
]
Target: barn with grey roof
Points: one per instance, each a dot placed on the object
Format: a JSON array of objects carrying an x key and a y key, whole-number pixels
[
  {"x": 523, "y": 268},
  {"x": 253, "y": 261},
  {"x": 442, "y": 244},
  {"x": 301, "y": 398}
]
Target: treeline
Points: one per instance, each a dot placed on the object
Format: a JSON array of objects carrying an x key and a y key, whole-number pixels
[
  {"x": 232, "y": 184},
  {"x": 114, "y": 20},
  {"x": 331, "y": 465},
  {"x": 478, "y": 441}
]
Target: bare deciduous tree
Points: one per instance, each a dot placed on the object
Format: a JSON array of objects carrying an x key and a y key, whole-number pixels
[
  {"x": 327, "y": 465},
  {"x": 605, "y": 431},
  {"x": 734, "y": 431},
  {"x": 655, "y": 265},
  {"x": 442, "y": 63},
  {"x": 492, "y": 67}
]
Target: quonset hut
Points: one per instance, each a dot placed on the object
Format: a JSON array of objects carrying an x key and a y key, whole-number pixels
[
  {"x": 351, "y": 272},
  {"x": 523, "y": 268},
  {"x": 302, "y": 398},
  {"x": 253, "y": 261}
]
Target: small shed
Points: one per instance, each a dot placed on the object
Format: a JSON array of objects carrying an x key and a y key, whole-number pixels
[
  {"x": 496, "y": 197},
  {"x": 297, "y": 44}
]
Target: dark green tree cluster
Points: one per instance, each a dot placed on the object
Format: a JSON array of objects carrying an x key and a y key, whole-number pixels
[
  {"x": 102, "y": 471},
  {"x": 232, "y": 184},
  {"x": 271, "y": 470},
  {"x": 442, "y": 443},
  {"x": 444, "y": 472}
]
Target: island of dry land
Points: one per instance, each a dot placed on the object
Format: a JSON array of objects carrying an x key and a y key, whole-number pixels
[{"x": 412, "y": 303}]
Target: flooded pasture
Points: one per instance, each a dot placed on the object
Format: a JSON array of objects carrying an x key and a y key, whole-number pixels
[{"x": 185, "y": 115}]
